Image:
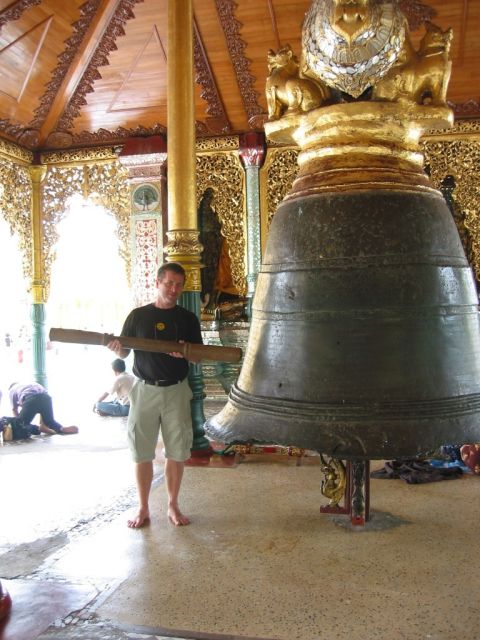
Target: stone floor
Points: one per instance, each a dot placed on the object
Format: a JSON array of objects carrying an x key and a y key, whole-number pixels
[{"x": 258, "y": 561}]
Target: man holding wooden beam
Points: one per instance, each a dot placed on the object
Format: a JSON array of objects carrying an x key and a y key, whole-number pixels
[{"x": 160, "y": 398}]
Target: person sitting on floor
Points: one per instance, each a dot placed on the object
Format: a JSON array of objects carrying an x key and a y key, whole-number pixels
[
  {"x": 29, "y": 399},
  {"x": 120, "y": 403}
]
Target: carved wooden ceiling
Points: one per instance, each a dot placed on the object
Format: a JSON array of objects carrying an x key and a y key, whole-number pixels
[{"x": 79, "y": 73}]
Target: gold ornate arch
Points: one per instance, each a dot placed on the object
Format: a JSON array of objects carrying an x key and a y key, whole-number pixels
[{"x": 104, "y": 183}]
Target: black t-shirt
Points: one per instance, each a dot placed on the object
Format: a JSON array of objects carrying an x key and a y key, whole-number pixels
[{"x": 173, "y": 324}]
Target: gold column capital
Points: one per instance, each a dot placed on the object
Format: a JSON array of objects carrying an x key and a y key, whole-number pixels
[
  {"x": 37, "y": 173},
  {"x": 184, "y": 247}
]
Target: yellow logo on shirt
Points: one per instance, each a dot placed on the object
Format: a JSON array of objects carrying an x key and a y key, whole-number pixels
[{"x": 160, "y": 326}]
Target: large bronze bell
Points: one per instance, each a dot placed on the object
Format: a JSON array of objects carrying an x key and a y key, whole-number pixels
[{"x": 364, "y": 339}]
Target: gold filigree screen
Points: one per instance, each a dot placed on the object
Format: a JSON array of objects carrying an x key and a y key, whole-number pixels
[
  {"x": 460, "y": 159},
  {"x": 105, "y": 184},
  {"x": 224, "y": 173},
  {"x": 16, "y": 208}
]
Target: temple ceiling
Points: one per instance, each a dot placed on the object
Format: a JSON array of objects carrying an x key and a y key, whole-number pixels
[{"x": 94, "y": 72}]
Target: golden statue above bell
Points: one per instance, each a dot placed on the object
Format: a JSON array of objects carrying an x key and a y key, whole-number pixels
[{"x": 364, "y": 339}]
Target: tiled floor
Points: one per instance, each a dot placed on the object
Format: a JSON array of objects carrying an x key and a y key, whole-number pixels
[{"x": 258, "y": 561}]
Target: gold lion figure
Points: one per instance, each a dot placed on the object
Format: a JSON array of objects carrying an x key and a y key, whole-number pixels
[
  {"x": 333, "y": 487},
  {"x": 286, "y": 91},
  {"x": 420, "y": 76}
]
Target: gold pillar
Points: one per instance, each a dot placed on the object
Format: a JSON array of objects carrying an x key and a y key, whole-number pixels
[
  {"x": 183, "y": 245},
  {"x": 37, "y": 173}
]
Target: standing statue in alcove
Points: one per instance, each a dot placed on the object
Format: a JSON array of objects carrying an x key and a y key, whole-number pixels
[
  {"x": 220, "y": 297},
  {"x": 211, "y": 239}
]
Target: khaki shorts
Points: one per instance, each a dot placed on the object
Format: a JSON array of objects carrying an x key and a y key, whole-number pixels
[{"x": 164, "y": 410}]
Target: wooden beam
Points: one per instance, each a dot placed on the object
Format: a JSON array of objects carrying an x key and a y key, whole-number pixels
[{"x": 98, "y": 25}]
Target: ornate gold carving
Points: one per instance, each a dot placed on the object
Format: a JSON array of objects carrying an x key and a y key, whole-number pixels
[
  {"x": 460, "y": 159},
  {"x": 78, "y": 156},
  {"x": 193, "y": 280},
  {"x": 183, "y": 242},
  {"x": 183, "y": 246},
  {"x": 278, "y": 174},
  {"x": 226, "y": 143},
  {"x": 360, "y": 145},
  {"x": 105, "y": 183},
  {"x": 15, "y": 207},
  {"x": 350, "y": 44},
  {"x": 423, "y": 76},
  {"x": 223, "y": 173},
  {"x": 468, "y": 129},
  {"x": 59, "y": 185},
  {"x": 236, "y": 49},
  {"x": 15, "y": 153},
  {"x": 333, "y": 487},
  {"x": 285, "y": 90}
]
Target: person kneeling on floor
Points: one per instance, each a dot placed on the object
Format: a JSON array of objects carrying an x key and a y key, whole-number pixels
[{"x": 29, "y": 399}]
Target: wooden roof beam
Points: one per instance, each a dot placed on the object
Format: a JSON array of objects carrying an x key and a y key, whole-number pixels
[{"x": 80, "y": 62}]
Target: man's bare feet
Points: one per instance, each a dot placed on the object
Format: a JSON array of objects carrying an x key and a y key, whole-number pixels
[
  {"x": 176, "y": 517},
  {"x": 141, "y": 520}
]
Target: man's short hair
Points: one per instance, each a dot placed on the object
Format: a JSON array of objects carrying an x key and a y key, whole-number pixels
[
  {"x": 118, "y": 365},
  {"x": 171, "y": 266}
]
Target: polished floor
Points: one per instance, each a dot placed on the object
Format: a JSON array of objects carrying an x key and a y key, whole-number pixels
[{"x": 259, "y": 560}]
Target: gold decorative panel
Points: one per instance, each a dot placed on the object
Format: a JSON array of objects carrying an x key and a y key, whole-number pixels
[
  {"x": 223, "y": 172},
  {"x": 15, "y": 207},
  {"x": 105, "y": 184},
  {"x": 460, "y": 158}
]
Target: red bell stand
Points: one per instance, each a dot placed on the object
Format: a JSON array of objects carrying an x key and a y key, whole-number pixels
[{"x": 357, "y": 494}]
